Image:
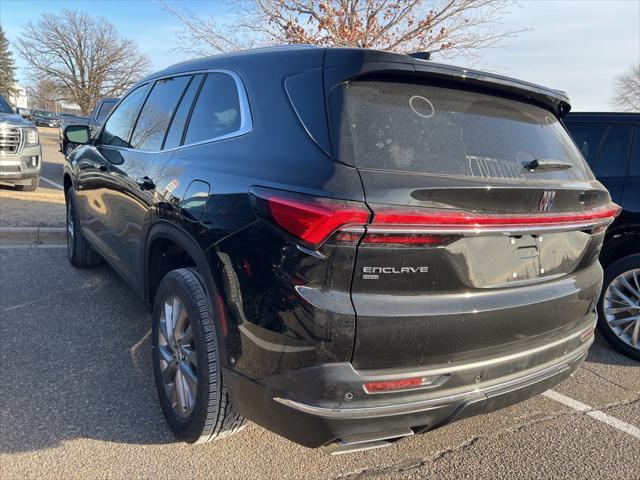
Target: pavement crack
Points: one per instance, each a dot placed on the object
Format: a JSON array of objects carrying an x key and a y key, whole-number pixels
[
  {"x": 378, "y": 471},
  {"x": 470, "y": 442},
  {"x": 602, "y": 377}
]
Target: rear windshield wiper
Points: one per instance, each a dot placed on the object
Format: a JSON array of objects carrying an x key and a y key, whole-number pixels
[{"x": 545, "y": 164}]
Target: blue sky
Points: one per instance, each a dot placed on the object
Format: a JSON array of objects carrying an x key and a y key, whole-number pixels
[{"x": 575, "y": 45}]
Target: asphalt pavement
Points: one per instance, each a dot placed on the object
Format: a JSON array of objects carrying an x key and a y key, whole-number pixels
[
  {"x": 45, "y": 206},
  {"x": 77, "y": 399}
]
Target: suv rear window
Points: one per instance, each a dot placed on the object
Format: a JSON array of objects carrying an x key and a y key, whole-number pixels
[{"x": 420, "y": 128}]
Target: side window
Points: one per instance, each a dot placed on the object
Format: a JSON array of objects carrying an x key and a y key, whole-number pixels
[
  {"x": 156, "y": 113},
  {"x": 118, "y": 127},
  {"x": 588, "y": 137},
  {"x": 174, "y": 135},
  {"x": 217, "y": 109},
  {"x": 634, "y": 170},
  {"x": 614, "y": 152},
  {"x": 105, "y": 108}
]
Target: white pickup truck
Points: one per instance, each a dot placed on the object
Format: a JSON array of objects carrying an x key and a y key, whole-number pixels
[{"x": 20, "y": 151}]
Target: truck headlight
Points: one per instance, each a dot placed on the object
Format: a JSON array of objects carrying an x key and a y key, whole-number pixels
[{"x": 31, "y": 137}]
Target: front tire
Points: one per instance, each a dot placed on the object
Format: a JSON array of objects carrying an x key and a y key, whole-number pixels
[
  {"x": 619, "y": 306},
  {"x": 80, "y": 253},
  {"x": 68, "y": 149},
  {"x": 186, "y": 361},
  {"x": 32, "y": 186}
]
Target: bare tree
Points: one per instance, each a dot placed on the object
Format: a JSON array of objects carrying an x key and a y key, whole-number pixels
[
  {"x": 627, "y": 96},
  {"x": 446, "y": 26},
  {"x": 84, "y": 55},
  {"x": 45, "y": 94}
]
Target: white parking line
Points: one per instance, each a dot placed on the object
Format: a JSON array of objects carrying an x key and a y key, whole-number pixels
[
  {"x": 57, "y": 185},
  {"x": 596, "y": 414}
]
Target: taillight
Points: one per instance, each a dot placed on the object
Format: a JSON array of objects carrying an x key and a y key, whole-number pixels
[
  {"x": 415, "y": 226},
  {"x": 314, "y": 220},
  {"x": 311, "y": 219},
  {"x": 465, "y": 220}
]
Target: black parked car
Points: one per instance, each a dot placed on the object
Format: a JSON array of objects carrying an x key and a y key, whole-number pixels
[
  {"x": 345, "y": 246},
  {"x": 44, "y": 118},
  {"x": 611, "y": 144}
]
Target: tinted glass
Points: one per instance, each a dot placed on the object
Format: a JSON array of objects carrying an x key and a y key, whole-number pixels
[
  {"x": 118, "y": 127},
  {"x": 217, "y": 109},
  {"x": 182, "y": 113},
  {"x": 156, "y": 113},
  {"x": 4, "y": 106},
  {"x": 634, "y": 169},
  {"x": 105, "y": 109},
  {"x": 408, "y": 127},
  {"x": 588, "y": 137},
  {"x": 612, "y": 155}
]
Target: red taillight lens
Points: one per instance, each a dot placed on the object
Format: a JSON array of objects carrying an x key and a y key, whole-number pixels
[
  {"x": 390, "y": 385},
  {"x": 311, "y": 219},
  {"x": 465, "y": 220}
]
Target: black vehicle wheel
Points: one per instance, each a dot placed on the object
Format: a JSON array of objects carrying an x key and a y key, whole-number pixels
[
  {"x": 32, "y": 186},
  {"x": 619, "y": 306},
  {"x": 68, "y": 149},
  {"x": 81, "y": 254},
  {"x": 186, "y": 361}
]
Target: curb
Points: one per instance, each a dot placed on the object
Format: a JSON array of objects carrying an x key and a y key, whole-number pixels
[{"x": 32, "y": 236}]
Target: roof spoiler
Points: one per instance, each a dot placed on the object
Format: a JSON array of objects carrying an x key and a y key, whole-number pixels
[{"x": 348, "y": 64}]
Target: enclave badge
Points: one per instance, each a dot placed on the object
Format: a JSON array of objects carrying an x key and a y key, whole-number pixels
[{"x": 546, "y": 201}]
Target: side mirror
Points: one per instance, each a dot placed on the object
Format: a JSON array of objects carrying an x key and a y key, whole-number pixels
[{"x": 78, "y": 134}]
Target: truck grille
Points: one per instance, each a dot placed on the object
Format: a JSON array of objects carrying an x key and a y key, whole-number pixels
[{"x": 9, "y": 140}]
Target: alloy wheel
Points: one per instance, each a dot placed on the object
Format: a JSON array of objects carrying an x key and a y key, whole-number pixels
[
  {"x": 177, "y": 353},
  {"x": 622, "y": 307}
]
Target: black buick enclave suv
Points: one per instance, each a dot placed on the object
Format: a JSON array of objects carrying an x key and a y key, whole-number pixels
[{"x": 344, "y": 246}]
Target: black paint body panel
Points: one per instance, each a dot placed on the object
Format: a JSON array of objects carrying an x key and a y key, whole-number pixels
[{"x": 288, "y": 312}]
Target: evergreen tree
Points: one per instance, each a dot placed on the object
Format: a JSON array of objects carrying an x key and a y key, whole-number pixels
[{"x": 7, "y": 67}]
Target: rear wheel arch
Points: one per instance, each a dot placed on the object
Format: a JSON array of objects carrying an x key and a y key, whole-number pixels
[
  {"x": 163, "y": 231},
  {"x": 620, "y": 244}
]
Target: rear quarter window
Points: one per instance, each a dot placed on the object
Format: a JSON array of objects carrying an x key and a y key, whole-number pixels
[
  {"x": 217, "y": 109},
  {"x": 411, "y": 127}
]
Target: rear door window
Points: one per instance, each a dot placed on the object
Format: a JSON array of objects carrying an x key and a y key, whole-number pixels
[
  {"x": 217, "y": 109},
  {"x": 156, "y": 113},
  {"x": 174, "y": 135},
  {"x": 408, "y": 127},
  {"x": 612, "y": 155}
]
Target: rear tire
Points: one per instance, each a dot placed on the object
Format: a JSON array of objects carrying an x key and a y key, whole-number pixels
[
  {"x": 32, "y": 186},
  {"x": 80, "y": 253},
  {"x": 620, "y": 276},
  {"x": 186, "y": 362}
]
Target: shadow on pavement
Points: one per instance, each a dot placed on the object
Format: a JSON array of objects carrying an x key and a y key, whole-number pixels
[
  {"x": 43, "y": 208},
  {"x": 75, "y": 356}
]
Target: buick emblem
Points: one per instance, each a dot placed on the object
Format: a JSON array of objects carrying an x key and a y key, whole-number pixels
[{"x": 546, "y": 201}]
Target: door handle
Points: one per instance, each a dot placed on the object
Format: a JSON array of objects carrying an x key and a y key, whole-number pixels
[{"x": 145, "y": 183}]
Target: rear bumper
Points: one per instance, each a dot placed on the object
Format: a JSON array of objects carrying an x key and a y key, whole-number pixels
[{"x": 326, "y": 406}]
